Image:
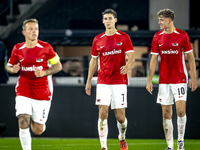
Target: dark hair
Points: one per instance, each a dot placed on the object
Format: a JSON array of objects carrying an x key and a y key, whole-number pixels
[
  {"x": 166, "y": 13},
  {"x": 110, "y": 11},
  {"x": 27, "y": 21}
]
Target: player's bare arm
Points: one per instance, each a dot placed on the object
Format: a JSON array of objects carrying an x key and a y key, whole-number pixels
[
  {"x": 193, "y": 82},
  {"x": 131, "y": 60},
  {"x": 52, "y": 70},
  {"x": 13, "y": 69},
  {"x": 92, "y": 68},
  {"x": 152, "y": 69}
]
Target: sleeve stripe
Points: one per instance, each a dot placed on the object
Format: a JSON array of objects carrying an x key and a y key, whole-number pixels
[
  {"x": 94, "y": 56},
  {"x": 129, "y": 51},
  {"x": 189, "y": 51},
  {"x": 54, "y": 60},
  {"x": 154, "y": 53},
  {"x": 9, "y": 64}
]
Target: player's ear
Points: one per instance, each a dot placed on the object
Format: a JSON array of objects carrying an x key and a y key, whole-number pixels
[
  {"x": 170, "y": 20},
  {"x": 23, "y": 32},
  {"x": 115, "y": 20}
]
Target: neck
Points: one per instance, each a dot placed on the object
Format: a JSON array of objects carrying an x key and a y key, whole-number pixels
[
  {"x": 31, "y": 44},
  {"x": 170, "y": 30},
  {"x": 110, "y": 31}
]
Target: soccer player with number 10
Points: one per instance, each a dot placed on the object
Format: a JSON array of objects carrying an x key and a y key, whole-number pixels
[{"x": 171, "y": 44}]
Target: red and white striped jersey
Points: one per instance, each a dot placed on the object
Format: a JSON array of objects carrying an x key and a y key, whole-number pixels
[
  {"x": 111, "y": 51},
  {"x": 172, "y": 48},
  {"x": 28, "y": 84}
]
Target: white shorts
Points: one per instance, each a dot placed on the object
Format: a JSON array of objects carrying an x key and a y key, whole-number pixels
[
  {"x": 116, "y": 95},
  {"x": 168, "y": 92},
  {"x": 38, "y": 109}
]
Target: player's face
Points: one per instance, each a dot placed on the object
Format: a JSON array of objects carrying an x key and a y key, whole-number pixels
[
  {"x": 31, "y": 31},
  {"x": 109, "y": 21},
  {"x": 163, "y": 22}
]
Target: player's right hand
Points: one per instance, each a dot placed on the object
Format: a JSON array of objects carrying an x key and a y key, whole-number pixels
[
  {"x": 88, "y": 89},
  {"x": 149, "y": 87},
  {"x": 16, "y": 68}
]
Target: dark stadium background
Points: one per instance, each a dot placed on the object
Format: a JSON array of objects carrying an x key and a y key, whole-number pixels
[{"x": 73, "y": 113}]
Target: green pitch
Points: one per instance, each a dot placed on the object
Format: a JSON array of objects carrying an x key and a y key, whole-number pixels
[{"x": 91, "y": 144}]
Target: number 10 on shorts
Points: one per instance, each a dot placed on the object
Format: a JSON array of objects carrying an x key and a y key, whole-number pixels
[{"x": 181, "y": 91}]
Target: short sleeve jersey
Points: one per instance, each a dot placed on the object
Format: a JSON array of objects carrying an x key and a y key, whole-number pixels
[
  {"x": 30, "y": 58},
  {"x": 111, "y": 51},
  {"x": 172, "y": 48}
]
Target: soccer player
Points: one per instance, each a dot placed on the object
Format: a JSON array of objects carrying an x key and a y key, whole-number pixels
[
  {"x": 171, "y": 44},
  {"x": 109, "y": 49},
  {"x": 37, "y": 61}
]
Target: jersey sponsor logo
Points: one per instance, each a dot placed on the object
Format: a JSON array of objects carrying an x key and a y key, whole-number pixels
[
  {"x": 174, "y": 44},
  {"x": 119, "y": 43},
  {"x": 112, "y": 52},
  {"x": 39, "y": 60},
  {"x": 169, "y": 51},
  {"x": 31, "y": 68}
]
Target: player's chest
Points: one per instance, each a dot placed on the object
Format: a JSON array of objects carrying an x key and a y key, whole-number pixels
[
  {"x": 32, "y": 56},
  {"x": 109, "y": 44},
  {"x": 170, "y": 42}
]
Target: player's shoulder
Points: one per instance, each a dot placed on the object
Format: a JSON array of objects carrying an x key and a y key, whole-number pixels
[
  {"x": 158, "y": 34},
  {"x": 19, "y": 45},
  {"x": 179, "y": 31},
  {"x": 43, "y": 44},
  {"x": 161, "y": 32},
  {"x": 121, "y": 33},
  {"x": 100, "y": 35}
]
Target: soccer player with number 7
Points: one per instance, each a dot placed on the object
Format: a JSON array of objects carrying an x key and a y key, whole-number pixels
[
  {"x": 109, "y": 51},
  {"x": 37, "y": 61},
  {"x": 171, "y": 44}
]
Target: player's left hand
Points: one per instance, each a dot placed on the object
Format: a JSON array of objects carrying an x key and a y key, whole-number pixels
[
  {"x": 124, "y": 69},
  {"x": 88, "y": 89},
  {"x": 193, "y": 85},
  {"x": 39, "y": 73}
]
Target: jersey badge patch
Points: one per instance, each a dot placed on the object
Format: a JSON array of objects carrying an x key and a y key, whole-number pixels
[
  {"x": 39, "y": 60},
  {"x": 119, "y": 43},
  {"x": 99, "y": 100},
  {"x": 174, "y": 44}
]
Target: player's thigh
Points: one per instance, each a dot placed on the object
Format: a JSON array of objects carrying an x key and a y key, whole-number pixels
[
  {"x": 40, "y": 111},
  {"x": 165, "y": 95},
  {"x": 119, "y": 96},
  {"x": 179, "y": 91},
  {"x": 23, "y": 105},
  {"x": 103, "y": 94}
]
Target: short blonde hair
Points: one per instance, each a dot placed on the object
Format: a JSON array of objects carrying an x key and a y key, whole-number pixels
[
  {"x": 166, "y": 13},
  {"x": 27, "y": 21}
]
